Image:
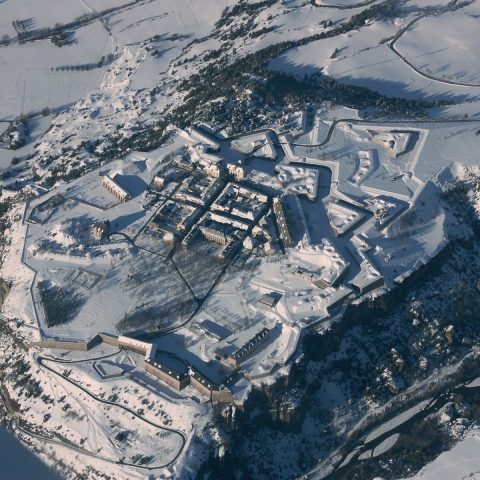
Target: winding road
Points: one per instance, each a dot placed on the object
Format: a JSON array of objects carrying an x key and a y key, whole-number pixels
[
  {"x": 343, "y": 7},
  {"x": 40, "y": 361},
  {"x": 452, "y": 6}
]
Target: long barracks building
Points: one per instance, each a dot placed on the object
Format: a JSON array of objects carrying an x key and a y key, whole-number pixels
[
  {"x": 114, "y": 188},
  {"x": 189, "y": 376},
  {"x": 282, "y": 223}
]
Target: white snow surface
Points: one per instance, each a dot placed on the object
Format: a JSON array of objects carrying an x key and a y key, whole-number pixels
[
  {"x": 395, "y": 422},
  {"x": 386, "y": 445},
  {"x": 147, "y": 40},
  {"x": 462, "y": 461}
]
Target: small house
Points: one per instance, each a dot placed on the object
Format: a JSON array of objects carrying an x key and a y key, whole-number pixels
[
  {"x": 100, "y": 229},
  {"x": 268, "y": 300}
]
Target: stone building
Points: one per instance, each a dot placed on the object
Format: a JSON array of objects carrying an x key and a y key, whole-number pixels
[
  {"x": 282, "y": 223},
  {"x": 100, "y": 229},
  {"x": 214, "y": 170},
  {"x": 176, "y": 380},
  {"x": 114, "y": 188},
  {"x": 238, "y": 171}
]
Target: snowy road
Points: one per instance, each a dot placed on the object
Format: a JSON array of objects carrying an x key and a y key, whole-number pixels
[{"x": 41, "y": 359}]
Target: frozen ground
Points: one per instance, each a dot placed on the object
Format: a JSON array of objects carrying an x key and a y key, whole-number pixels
[
  {"x": 463, "y": 461},
  {"x": 445, "y": 46},
  {"x": 140, "y": 282},
  {"x": 27, "y": 69},
  {"x": 382, "y": 70},
  {"x": 315, "y": 56},
  {"x": 135, "y": 281},
  {"x": 33, "y": 85},
  {"x": 387, "y": 426}
]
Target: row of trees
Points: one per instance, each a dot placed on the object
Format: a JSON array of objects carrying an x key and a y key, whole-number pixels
[
  {"x": 59, "y": 29},
  {"x": 241, "y": 8},
  {"x": 87, "y": 66},
  {"x": 223, "y": 80}
]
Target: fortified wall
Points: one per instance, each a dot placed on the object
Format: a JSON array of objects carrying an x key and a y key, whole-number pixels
[{"x": 176, "y": 380}]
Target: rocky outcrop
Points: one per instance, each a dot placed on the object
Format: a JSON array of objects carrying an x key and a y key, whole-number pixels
[
  {"x": 449, "y": 331},
  {"x": 4, "y": 291},
  {"x": 463, "y": 410},
  {"x": 397, "y": 360},
  {"x": 274, "y": 403},
  {"x": 319, "y": 345},
  {"x": 380, "y": 305},
  {"x": 268, "y": 405}
]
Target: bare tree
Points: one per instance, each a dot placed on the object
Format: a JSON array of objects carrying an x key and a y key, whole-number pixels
[
  {"x": 22, "y": 118},
  {"x": 6, "y": 39}
]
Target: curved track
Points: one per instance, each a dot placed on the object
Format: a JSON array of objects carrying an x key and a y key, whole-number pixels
[
  {"x": 41, "y": 359},
  {"x": 450, "y": 7},
  {"x": 343, "y": 7}
]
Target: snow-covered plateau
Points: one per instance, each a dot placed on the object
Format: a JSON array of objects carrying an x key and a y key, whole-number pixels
[{"x": 240, "y": 239}]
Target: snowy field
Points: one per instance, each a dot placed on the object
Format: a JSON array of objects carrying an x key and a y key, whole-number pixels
[
  {"x": 381, "y": 70},
  {"x": 356, "y": 214},
  {"x": 463, "y": 461},
  {"x": 35, "y": 15},
  {"x": 34, "y": 83},
  {"x": 30, "y": 70},
  {"x": 141, "y": 439},
  {"x": 445, "y": 46},
  {"x": 434, "y": 45},
  {"x": 315, "y": 56}
]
